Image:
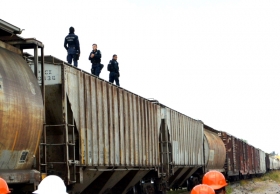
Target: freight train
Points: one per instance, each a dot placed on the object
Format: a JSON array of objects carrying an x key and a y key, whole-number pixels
[{"x": 100, "y": 138}]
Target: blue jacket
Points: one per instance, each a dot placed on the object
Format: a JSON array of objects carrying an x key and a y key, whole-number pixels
[
  {"x": 97, "y": 57},
  {"x": 72, "y": 40},
  {"x": 114, "y": 66}
]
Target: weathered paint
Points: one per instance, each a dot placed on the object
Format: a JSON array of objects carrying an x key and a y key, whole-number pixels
[
  {"x": 111, "y": 129},
  {"x": 262, "y": 162},
  {"x": 214, "y": 151},
  {"x": 232, "y": 164},
  {"x": 21, "y": 112},
  {"x": 186, "y": 136}
]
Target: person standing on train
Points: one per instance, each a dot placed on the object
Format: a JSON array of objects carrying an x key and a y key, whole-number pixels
[
  {"x": 95, "y": 58},
  {"x": 4, "y": 189},
  {"x": 113, "y": 67},
  {"x": 202, "y": 189},
  {"x": 52, "y": 184},
  {"x": 72, "y": 45},
  {"x": 216, "y": 180}
]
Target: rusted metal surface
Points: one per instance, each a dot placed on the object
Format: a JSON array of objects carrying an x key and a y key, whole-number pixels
[
  {"x": 21, "y": 176},
  {"x": 10, "y": 48},
  {"x": 214, "y": 150},
  {"x": 118, "y": 130},
  {"x": 116, "y": 127},
  {"x": 251, "y": 159},
  {"x": 115, "y": 130},
  {"x": 232, "y": 164},
  {"x": 243, "y": 158},
  {"x": 21, "y": 112},
  {"x": 186, "y": 136},
  {"x": 257, "y": 160}
]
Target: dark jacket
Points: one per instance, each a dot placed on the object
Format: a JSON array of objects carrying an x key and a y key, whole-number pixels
[
  {"x": 97, "y": 57},
  {"x": 114, "y": 66},
  {"x": 72, "y": 40}
]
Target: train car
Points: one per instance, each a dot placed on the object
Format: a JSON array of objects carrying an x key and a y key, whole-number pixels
[
  {"x": 257, "y": 161},
  {"x": 96, "y": 134},
  {"x": 214, "y": 150},
  {"x": 232, "y": 164},
  {"x": 186, "y": 141},
  {"x": 262, "y": 162},
  {"x": 21, "y": 110},
  {"x": 243, "y": 158}
]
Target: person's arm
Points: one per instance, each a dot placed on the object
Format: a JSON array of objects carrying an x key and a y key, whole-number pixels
[
  {"x": 89, "y": 58},
  {"x": 65, "y": 44},
  {"x": 78, "y": 44}
]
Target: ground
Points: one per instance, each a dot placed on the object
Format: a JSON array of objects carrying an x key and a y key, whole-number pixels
[
  {"x": 259, "y": 187},
  {"x": 267, "y": 184}
]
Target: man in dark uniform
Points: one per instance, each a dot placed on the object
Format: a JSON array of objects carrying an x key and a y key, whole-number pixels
[
  {"x": 113, "y": 67},
  {"x": 72, "y": 45},
  {"x": 95, "y": 58}
]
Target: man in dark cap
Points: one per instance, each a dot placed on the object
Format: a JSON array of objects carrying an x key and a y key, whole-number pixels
[{"x": 72, "y": 45}]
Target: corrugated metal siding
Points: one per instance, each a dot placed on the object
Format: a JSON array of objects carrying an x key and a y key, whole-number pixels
[
  {"x": 241, "y": 156},
  {"x": 262, "y": 162},
  {"x": 257, "y": 160},
  {"x": 116, "y": 127},
  {"x": 187, "y": 137}
]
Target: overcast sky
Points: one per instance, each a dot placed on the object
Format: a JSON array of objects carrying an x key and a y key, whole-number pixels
[{"x": 216, "y": 61}]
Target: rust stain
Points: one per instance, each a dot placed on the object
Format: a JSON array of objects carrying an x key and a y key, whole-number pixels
[
  {"x": 20, "y": 110},
  {"x": 15, "y": 140}
]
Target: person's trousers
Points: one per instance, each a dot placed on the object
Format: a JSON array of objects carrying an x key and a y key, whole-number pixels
[
  {"x": 95, "y": 69},
  {"x": 71, "y": 56},
  {"x": 114, "y": 77}
]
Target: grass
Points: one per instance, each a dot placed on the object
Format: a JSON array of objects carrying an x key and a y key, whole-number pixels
[
  {"x": 228, "y": 189},
  {"x": 271, "y": 176}
]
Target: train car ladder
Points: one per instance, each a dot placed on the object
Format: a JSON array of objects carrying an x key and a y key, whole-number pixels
[
  {"x": 166, "y": 169},
  {"x": 67, "y": 143}
]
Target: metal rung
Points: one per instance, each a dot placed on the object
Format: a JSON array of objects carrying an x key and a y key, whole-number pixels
[
  {"x": 43, "y": 164},
  {"x": 56, "y": 162},
  {"x": 60, "y": 125},
  {"x": 57, "y": 144},
  {"x": 54, "y": 144}
]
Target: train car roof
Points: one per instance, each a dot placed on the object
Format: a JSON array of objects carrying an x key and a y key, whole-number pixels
[
  {"x": 9, "y": 34},
  {"x": 7, "y": 29}
]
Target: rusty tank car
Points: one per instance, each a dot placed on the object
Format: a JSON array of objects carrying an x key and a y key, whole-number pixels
[{"x": 21, "y": 114}]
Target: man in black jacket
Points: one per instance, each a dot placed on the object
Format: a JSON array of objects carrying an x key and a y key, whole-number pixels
[
  {"x": 113, "y": 67},
  {"x": 72, "y": 45},
  {"x": 95, "y": 58}
]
